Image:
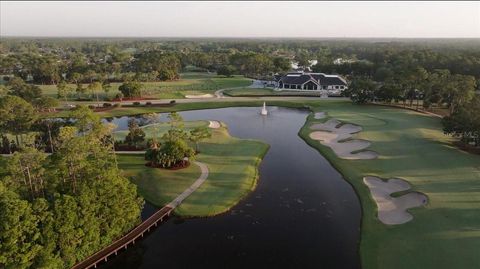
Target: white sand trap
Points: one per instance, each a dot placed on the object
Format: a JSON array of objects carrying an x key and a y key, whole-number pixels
[
  {"x": 349, "y": 129},
  {"x": 331, "y": 135},
  {"x": 214, "y": 124},
  {"x": 393, "y": 210},
  {"x": 199, "y": 96},
  {"x": 319, "y": 115},
  {"x": 330, "y": 125}
]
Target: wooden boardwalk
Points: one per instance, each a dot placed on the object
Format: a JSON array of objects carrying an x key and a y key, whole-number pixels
[
  {"x": 142, "y": 228},
  {"x": 123, "y": 242}
]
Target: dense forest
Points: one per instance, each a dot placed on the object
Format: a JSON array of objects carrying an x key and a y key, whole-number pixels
[
  {"x": 57, "y": 210},
  {"x": 48, "y": 61}
]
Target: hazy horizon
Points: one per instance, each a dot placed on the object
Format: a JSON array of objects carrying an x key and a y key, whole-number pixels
[{"x": 251, "y": 20}]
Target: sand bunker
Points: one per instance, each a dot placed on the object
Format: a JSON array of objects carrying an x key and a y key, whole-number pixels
[
  {"x": 198, "y": 96},
  {"x": 339, "y": 139},
  {"x": 214, "y": 124},
  {"x": 393, "y": 210},
  {"x": 319, "y": 115}
]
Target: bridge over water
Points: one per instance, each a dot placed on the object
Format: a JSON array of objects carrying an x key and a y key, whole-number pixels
[{"x": 137, "y": 233}]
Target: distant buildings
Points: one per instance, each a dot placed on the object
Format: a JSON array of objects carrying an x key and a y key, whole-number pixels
[
  {"x": 294, "y": 65},
  {"x": 333, "y": 85},
  {"x": 340, "y": 61}
]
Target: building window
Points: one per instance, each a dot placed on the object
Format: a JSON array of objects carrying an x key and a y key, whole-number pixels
[
  {"x": 324, "y": 87},
  {"x": 341, "y": 87},
  {"x": 336, "y": 87}
]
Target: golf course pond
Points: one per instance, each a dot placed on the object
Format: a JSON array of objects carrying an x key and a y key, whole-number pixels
[{"x": 302, "y": 214}]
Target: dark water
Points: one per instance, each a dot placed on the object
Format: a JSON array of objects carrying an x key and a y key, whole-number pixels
[{"x": 301, "y": 215}]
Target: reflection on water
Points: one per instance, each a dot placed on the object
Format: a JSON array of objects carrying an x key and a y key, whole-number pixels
[{"x": 301, "y": 215}]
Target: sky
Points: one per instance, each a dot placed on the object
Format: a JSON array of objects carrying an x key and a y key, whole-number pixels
[{"x": 241, "y": 19}]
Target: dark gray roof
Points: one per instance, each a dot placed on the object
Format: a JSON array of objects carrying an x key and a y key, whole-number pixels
[
  {"x": 295, "y": 79},
  {"x": 329, "y": 80},
  {"x": 322, "y": 79}
]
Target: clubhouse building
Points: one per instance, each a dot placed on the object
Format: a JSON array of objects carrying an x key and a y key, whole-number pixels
[{"x": 333, "y": 85}]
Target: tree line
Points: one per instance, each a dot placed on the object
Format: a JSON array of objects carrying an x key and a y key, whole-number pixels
[
  {"x": 49, "y": 61},
  {"x": 421, "y": 89},
  {"x": 57, "y": 210}
]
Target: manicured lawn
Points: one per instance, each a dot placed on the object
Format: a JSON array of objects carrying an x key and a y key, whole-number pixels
[
  {"x": 190, "y": 84},
  {"x": 445, "y": 233},
  {"x": 265, "y": 92},
  {"x": 232, "y": 164},
  {"x": 160, "y": 129},
  {"x": 197, "y": 75},
  {"x": 248, "y": 92},
  {"x": 124, "y": 111}
]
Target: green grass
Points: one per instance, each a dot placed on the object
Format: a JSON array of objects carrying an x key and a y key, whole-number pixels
[
  {"x": 189, "y": 84},
  {"x": 233, "y": 174},
  {"x": 125, "y": 111},
  {"x": 197, "y": 75},
  {"x": 412, "y": 146},
  {"x": 247, "y": 92},
  {"x": 160, "y": 129}
]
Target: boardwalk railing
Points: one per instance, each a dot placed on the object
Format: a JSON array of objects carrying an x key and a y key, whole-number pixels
[
  {"x": 124, "y": 241},
  {"x": 144, "y": 227}
]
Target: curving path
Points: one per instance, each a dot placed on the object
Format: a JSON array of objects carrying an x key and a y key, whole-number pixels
[
  {"x": 145, "y": 226},
  {"x": 177, "y": 201},
  {"x": 219, "y": 93}
]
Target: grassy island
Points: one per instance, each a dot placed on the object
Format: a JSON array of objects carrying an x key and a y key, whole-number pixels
[{"x": 233, "y": 174}]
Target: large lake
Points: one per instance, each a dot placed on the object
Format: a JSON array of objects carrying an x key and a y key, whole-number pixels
[{"x": 302, "y": 214}]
